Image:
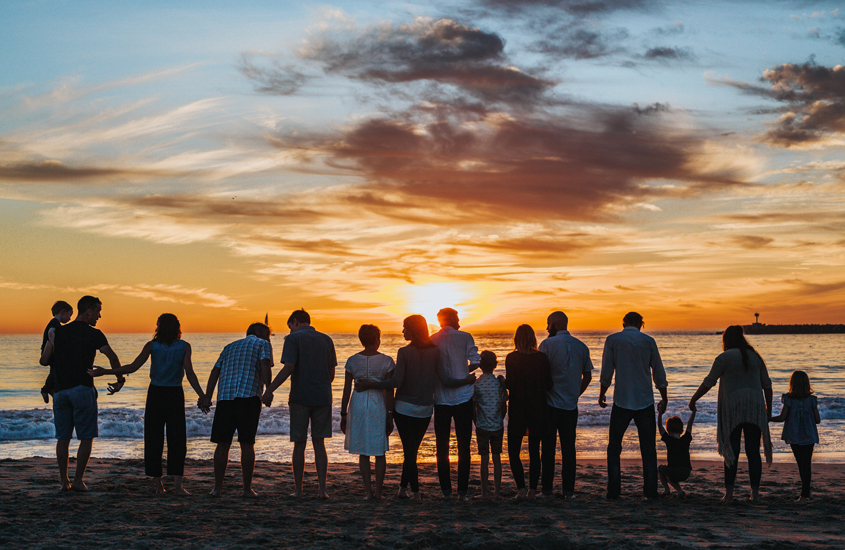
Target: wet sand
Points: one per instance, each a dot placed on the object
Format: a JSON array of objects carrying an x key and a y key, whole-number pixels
[{"x": 121, "y": 511}]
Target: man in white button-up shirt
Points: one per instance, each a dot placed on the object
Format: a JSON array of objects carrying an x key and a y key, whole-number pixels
[
  {"x": 571, "y": 374},
  {"x": 453, "y": 399},
  {"x": 633, "y": 356}
]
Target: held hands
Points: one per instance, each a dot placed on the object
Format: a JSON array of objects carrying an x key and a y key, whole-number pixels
[
  {"x": 114, "y": 387},
  {"x": 343, "y": 423},
  {"x": 692, "y": 406},
  {"x": 602, "y": 401},
  {"x": 388, "y": 428},
  {"x": 204, "y": 403},
  {"x": 661, "y": 407},
  {"x": 267, "y": 398}
]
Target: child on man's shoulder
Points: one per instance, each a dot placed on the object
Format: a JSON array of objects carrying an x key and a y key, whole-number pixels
[{"x": 62, "y": 312}]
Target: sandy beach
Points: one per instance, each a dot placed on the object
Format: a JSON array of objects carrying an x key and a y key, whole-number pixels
[{"x": 121, "y": 511}]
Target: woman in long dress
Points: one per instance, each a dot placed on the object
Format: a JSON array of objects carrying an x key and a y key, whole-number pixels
[
  {"x": 366, "y": 417},
  {"x": 744, "y": 407},
  {"x": 171, "y": 360}
]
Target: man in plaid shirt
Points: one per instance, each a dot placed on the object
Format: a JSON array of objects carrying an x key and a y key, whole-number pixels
[{"x": 243, "y": 369}]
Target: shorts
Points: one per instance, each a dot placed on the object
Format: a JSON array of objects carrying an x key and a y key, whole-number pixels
[
  {"x": 76, "y": 408},
  {"x": 320, "y": 418},
  {"x": 489, "y": 441},
  {"x": 241, "y": 414},
  {"x": 674, "y": 473}
]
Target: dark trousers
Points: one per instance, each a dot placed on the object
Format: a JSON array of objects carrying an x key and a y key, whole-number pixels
[
  {"x": 563, "y": 423},
  {"x": 411, "y": 432},
  {"x": 443, "y": 415},
  {"x": 804, "y": 458},
  {"x": 515, "y": 434},
  {"x": 165, "y": 407},
  {"x": 752, "y": 452},
  {"x": 646, "y": 430}
]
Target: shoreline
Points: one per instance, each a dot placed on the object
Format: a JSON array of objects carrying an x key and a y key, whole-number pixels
[{"x": 120, "y": 511}]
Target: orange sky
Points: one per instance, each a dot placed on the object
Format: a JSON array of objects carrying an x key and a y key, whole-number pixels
[{"x": 367, "y": 161}]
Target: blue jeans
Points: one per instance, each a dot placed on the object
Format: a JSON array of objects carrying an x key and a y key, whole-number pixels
[{"x": 647, "y": 431}]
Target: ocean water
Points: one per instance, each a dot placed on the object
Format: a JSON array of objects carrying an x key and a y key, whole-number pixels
[{"x": 26, "y": 427}]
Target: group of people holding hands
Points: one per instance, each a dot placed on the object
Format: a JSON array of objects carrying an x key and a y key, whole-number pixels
[{"x": 431, "y": 377}]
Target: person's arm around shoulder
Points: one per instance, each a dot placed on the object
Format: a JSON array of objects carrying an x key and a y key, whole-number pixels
[{"x": 472, "y": 353}]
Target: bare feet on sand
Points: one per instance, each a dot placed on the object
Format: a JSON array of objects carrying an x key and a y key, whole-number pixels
[
  {"x": 531, "y": 494},
  {"x": 79, "y": 487},
  {"x": 323, "y": 495},
  {"x": 520, "y": 495},
  {"x": 157, "y": 485},
  {"x": 181, "y": 492},
  {"x": 250, "y": 493},
  {"x": 215, "y": 492},
  {"x": 403, "y": 494}
]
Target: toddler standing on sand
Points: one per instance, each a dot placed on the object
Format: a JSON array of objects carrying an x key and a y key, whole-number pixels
[
  {"x": 799, "y": 415},
  {"x": 489, "y": 412},
  {"x": 679, "y": 466}
]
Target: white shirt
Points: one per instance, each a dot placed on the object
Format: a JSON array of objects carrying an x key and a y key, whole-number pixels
[
  {"x": 636, "y": 361},
  {"x": 570, "y": 359},
  {"x": 457, "y": 351}
]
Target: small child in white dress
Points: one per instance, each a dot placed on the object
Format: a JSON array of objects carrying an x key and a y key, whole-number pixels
[{"x": 367, "y": 417}]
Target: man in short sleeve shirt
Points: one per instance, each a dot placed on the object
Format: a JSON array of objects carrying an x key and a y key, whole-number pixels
[
  {"x": 635, "y": 360},
  {"x": 71, "y": 355},
  {"x": 309, "y": 360},
  {"x": 242, "y": 370},
  {"x": 571, "y": 374}
]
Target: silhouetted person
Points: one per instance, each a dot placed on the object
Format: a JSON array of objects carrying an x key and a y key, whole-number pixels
[
  {"x": 571, "y": 374},
  {"x": 71, "y": 356},
  {"x": 634, "y": 357},
  {"x": 459, "y": 357},
  {"x": 309, "y": 360},
  {"x": 62, "y": 312},
  {"x": 243, "y": 370},
  {"x": 165, "y": 406}
]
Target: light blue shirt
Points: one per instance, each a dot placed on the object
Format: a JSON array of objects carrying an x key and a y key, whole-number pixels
[
  {"x": 570, "y": 359},
  {"x": 457, "y": 351},
  {"x": 633, "y": 356}
]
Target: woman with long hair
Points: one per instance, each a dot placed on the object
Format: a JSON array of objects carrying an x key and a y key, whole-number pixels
[
  {"x": 171, "y": 360},
  {"x": 528, "y": 376},
  {"x": 744, "y": 406}
]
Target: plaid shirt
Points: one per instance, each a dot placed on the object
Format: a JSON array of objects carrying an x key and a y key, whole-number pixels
[{"x": 240, "y": 368}]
